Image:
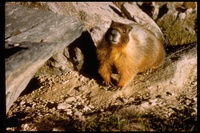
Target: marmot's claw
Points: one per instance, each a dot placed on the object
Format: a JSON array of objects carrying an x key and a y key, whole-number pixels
[{"x": 108, "y": 83}]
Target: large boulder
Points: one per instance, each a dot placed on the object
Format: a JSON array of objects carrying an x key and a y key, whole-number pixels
[
  {"x": 97, "y": 16},
  {"x": 32, "y": 37}
]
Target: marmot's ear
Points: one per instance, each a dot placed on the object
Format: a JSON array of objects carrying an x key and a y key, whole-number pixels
[
  {"x": 130, "y": 28},
  {"x": 112, "y": 22}
]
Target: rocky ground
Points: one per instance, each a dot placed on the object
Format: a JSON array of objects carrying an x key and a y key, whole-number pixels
[
  {"x": 74, "y": 102},
  {"x": 161, "y": 100}
]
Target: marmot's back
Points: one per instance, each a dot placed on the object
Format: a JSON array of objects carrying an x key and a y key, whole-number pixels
[{"x": 147, "y": 49}]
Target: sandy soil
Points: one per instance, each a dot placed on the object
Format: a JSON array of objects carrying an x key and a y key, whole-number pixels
[{"x": 153, "y": 101}]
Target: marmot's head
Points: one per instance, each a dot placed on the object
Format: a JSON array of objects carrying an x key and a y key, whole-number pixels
[{"x": 118, "y": 33}]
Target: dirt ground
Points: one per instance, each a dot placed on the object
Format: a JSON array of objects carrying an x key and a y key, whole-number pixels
[{"x": 153, "y": 101}]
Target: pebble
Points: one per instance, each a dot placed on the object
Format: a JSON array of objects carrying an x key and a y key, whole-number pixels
[
  {"x": 91, "y": 106},
  {"x": 25, "y": 127},
  {"x": 78, "y": 113},
  {"x": 69, "y": 112},
  {"x": 56, "y": 129},
  {"x": 182, "y": 16},
  {"x": 70, "y": 99},
  {"x": 33, "y": 105},
  {"x": 145, "y": 105},
  {"x": 22, "y": 102},
  {"x": 86, "y": 108},
  {"x": 63, "y": 106},
  {"x": 153, "y": 102}
]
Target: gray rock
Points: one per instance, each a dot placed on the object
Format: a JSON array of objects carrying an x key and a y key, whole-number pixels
[
  {"x": 32, "y": 37},
  {"x": 96, "y": 16},
  {"x": 42, "y": 26},
  {"x": 61, "y": 62}
]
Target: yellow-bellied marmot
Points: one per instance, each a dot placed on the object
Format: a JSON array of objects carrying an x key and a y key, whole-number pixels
[{"x": 130, "y": 49}]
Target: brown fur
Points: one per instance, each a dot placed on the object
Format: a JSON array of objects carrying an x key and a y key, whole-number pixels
[{"x": 130, "y": 49}]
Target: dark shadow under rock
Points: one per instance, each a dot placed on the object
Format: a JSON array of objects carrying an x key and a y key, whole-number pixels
[
  {"x": 32, "y": 85},
  {"x": 84, "y": 59}
]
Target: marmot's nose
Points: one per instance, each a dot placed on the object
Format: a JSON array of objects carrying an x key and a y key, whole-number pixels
[{"x": 114, "y": 32}]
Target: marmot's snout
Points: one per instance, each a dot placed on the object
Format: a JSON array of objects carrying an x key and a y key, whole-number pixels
[{"x": 114, "y": 37}]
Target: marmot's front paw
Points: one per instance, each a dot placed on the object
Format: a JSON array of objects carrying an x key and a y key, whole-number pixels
[{"x": 123, "y": 82}]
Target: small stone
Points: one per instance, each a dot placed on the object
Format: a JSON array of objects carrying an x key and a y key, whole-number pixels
[
  {"x": 16, "y": 44},
  {"x": 86, "y": 108},
  {"x": 22, "y": 102},
  {"x": 24, "y": 127},
  {"x": 69, "y": 112},
  {"x": 56, "y": 129},
  {"x": 78, "y": 113},
  {"x": 182, "y": 16},
  {"x": 78, "y": 97},
  {"x": 63, "y": 106},
  {"x": 33, "y": 105},
  {"x": 71, "y": 99},
  {"x": 145, "y": 105},
  {"x": 153, "y": 101},
  {"x": 90, "y": 106}
]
